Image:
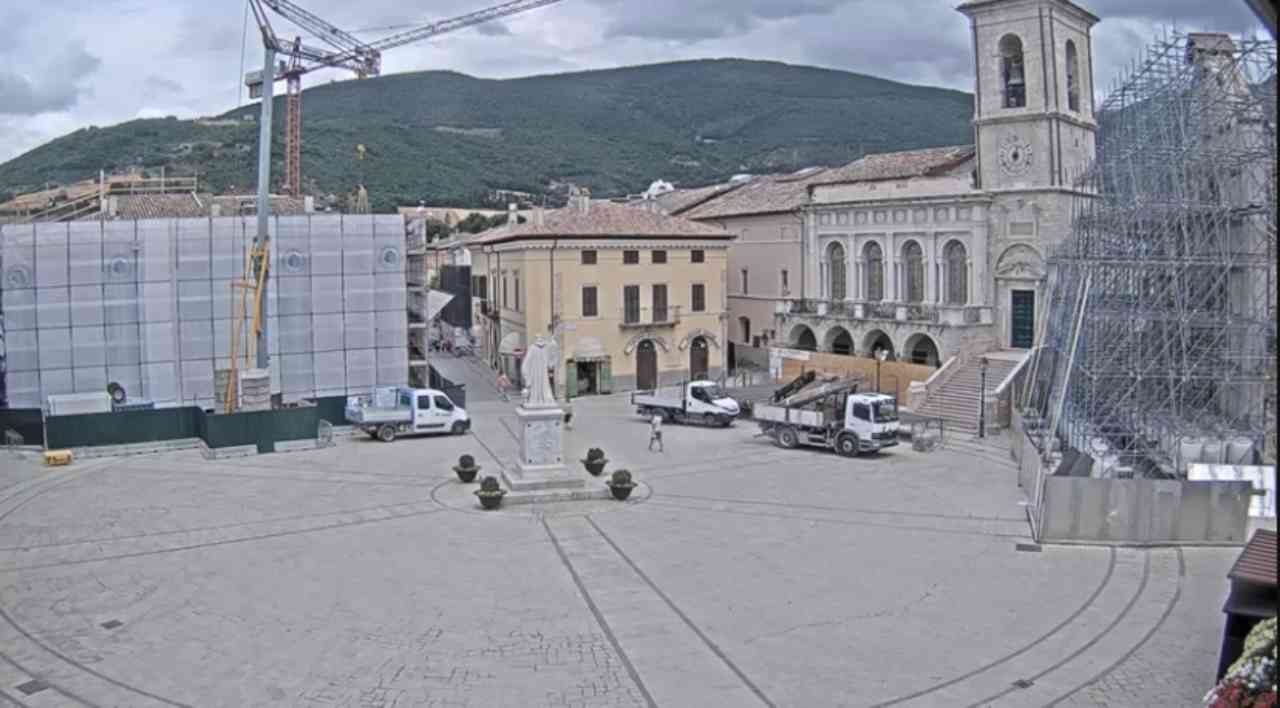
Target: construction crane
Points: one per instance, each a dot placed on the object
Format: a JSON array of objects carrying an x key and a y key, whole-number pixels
[{"x": 345, "y": 51}]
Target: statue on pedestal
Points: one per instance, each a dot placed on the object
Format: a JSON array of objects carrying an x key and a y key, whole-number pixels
[{"x": 533, "y": 370}]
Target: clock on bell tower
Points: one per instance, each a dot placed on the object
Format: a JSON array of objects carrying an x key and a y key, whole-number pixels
[{"x": 1033, "y": 107}]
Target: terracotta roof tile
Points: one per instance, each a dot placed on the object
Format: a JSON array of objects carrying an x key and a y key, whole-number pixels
[
  {"x": 767, "y": 194},
  {"x": 684, "y": 199},
  {"x": 179, "y": 206},
  {"x": 899, "y": 165},
  {"x": 1257, "y": 562},
  {"x": 603, "y": 218}
]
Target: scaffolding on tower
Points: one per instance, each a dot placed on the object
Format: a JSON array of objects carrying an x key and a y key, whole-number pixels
[{"x": 1160, "y": 344}]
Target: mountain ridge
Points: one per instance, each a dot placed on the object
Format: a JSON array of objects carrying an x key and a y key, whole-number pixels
[{"x": 444, "y": 136}]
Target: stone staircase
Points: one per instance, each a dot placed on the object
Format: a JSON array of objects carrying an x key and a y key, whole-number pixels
[{"x": 956, "y": 400}]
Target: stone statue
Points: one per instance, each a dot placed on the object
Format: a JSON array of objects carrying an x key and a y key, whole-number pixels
[{"x": 534, "y": 372}]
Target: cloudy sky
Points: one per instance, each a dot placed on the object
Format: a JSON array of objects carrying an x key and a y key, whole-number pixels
[{"x": 66, "y": 64}]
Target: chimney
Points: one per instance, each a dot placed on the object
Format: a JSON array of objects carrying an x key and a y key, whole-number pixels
[
  {"x": 513, "y": 217},
  {"x": 582, "y": 200},
  {"x": 539, "y": 216}
]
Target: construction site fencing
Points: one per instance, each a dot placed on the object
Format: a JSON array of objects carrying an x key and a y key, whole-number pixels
[
  {"x": 261, "y": 428},
  {"x": 895, "y": 377}
]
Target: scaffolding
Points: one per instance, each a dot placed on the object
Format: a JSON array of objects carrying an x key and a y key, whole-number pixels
[{"x": 1160, "y": 344}]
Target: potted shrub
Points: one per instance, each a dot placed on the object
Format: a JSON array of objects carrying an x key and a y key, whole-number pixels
[
  {"x": 621, "y": 485},
  {"x": 490, "y": 493},
  {"x": 595, "y": 461},
  {"x": 466, "y": 468}
]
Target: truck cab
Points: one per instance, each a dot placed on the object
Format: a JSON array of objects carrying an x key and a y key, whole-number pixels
[
  {"x": 702, "y": 402},
  {"x": 873, "y": 417},
  {"x": 707, "y": 397}
]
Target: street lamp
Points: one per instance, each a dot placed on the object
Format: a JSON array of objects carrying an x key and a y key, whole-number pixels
[
  {"x": 881, "y": 355},
  {"x": 982, "y": 397}
]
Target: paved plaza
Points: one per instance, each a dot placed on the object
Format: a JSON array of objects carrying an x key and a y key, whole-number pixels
[{"x": 740, "y": 574}]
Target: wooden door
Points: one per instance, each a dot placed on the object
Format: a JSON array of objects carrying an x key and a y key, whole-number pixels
[
  {"x": 646, "y": 365},
  {"x": 698, "y": 358},
  {"x": 1022, "y": 315}
]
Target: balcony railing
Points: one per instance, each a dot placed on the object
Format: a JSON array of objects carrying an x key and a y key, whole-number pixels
[
  {"x": 650, "y": 317},
  {"x": 919, "y": 312},
  {"x": 893, "y": 311}
]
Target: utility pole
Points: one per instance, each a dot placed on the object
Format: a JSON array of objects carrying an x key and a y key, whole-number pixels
[
  {"x": 982, "y": 398},
  {"x": 264, "y": 198}
]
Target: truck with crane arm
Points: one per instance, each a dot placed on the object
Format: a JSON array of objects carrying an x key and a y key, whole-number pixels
[{"x": 830, "y": 414}]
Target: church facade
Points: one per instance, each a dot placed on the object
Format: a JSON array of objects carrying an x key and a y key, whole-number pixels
[{"x": 941, "y": 252}]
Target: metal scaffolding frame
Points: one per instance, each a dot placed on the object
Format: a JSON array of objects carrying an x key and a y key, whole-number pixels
[{"x": 1160, "y": 344}]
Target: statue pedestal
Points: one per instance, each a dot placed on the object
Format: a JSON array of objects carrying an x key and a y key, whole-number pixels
[{"x": 541, "y": 465}]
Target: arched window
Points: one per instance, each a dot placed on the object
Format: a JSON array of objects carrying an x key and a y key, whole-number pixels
[
  {"x": 1012, "y": 75},
  {"x": 874, "y": 263},
  {"x": 1073, "y": 77},
  {"x": 836, "y": 268},
  {"x": 913, "y": 258},
  {"x": 957, "y": 273}
]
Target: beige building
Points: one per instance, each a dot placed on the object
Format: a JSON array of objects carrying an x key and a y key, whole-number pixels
[
  {"x": 630, "y": 297},
  {"x": 766, "y": 262}
]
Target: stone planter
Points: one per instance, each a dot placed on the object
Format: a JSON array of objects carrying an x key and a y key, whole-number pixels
[
  {"x": 467, "y": 474},
  {"x": 621, "y": 491},
  {"x": 595, "y": 467},
  {"x": 490, "y": 500}
]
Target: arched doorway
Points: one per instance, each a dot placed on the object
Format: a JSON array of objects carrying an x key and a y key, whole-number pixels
[
  {"x": 877, "y": 340},
  {"x": 803, "y": 338},
  {"x": 646, "y": 365},
  {"x": 921, "y": 349},
  {"x": 698, "y": 357},
  {"x": 839, "y": 341}
]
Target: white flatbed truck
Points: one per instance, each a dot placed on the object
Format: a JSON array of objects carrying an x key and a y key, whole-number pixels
[
  {"x": 693, "y": 402},
  {"x": 834, "y": 416},
  {"x": 412, "y": 411}
]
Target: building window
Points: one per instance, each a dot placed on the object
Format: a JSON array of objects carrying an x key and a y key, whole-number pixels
[
  {"x": 515, "y": 289},
  {"x": 745, "y": 289},
  {"x": 659, "y": 256},
  {"x": 873, "y": 259},
  {"x": 957, "y": 273},
  {"x": 590, "y": 305},
  {"x": 913, "y": 257},
  {"x": 744, "y": 324},
  {"x": 786, "y": 282},
  {"x": 697, "y": 256},
  {"x": 588, "y": 258},
  {"x": 660, "y": 303},
  {"x": 1073, "y": 77},
  {"x": 630, "y": 257},
  {"x": 1012, "y": 76},
  {"x": 698, "y": 298},
  {"x": 836, "y": 264},
  {"x": 631, "y": 304}
]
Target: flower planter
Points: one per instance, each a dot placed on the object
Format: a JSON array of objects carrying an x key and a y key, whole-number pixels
[
  {"x": 490, "y": 500},
  {"x": 595, "y": 467},
  {"x": 467, "y": 474},
  {"x": 621, "y": 491}
]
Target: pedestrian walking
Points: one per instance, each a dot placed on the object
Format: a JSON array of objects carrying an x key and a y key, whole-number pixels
[
  {"x": 655, "y": 432},
  {"x": 502, "y": 385}
]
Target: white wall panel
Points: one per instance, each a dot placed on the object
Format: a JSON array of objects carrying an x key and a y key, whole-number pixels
[
  {"x": 89, "y": 346},
  {"x": 86, "y": 305},
  {"x": 22, "y": 350},
  {"x": 55, "y": 348},
  {"x": 89, "y": 379},
  {"x": 19, "y": 309},
  {"x": 124, "y": 344},
  {"x": 53, "y": 307}
]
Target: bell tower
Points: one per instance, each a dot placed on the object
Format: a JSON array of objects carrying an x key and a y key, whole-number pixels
[
  {"x": 1034, "y": 129},
  {"x": 1033, "y": 93}
]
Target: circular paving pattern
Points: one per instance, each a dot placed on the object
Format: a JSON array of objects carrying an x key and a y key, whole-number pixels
[{"x": 738, "y": 574}]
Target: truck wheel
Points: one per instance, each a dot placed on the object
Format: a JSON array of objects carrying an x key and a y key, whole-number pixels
[
  {"x": 387, "y": 432},
  {"x": 724, "y": 421},
  {"x": 458, "y": 428},
  {"x": 787, "y": 438},
  {"x": 847, "y": 445},
  {"x": 668, "y": 417}
]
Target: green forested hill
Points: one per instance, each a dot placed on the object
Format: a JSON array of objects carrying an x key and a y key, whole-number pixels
[{"x": 447, "y": 137}]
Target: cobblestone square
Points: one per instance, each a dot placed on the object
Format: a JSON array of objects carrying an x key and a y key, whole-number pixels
[{"x": 741, "y": 574}]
